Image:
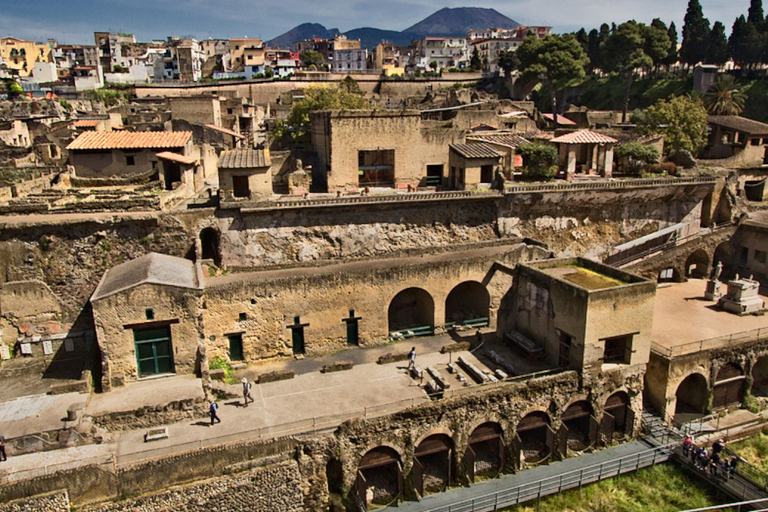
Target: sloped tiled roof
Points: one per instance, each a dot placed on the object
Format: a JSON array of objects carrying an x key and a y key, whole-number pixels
[
  {"x": 87, "y": 123},
  {"x": 130, "y": 140},
  {"x": 244, "y": 159},
  {"x": 512, "y": 141},
  {"x": 560, "y": 119},
  {"x": 152, "y": 268},
  {"x": 175, "y": 157},
  {"x": 741, "y": 124},
  {"x": 225, "y": 130},
  {"x": 479, "y": 150},
  {"x": 584, "y": 137}
]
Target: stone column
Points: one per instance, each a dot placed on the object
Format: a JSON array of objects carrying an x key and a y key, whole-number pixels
[
  {"x": 608, "y": 165},
  {"x": 570, "y": 170}
]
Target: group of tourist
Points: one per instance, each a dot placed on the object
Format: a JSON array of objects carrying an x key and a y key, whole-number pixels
[{"x": 715, "y": 462}]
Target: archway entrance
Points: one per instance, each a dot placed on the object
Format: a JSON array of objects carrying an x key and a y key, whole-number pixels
[
  {"x": 433, "y": 464},
  {"x": 535, "y": 439},
  {"x": 697, "y": 265},
  {"x": 618, "y": 417},
  {"x": 468, "y": 301},
  {"x": 692, "y": 395},
  {"x": 379, "y": 477},
  {"x": 209, "y": 245},
  {"x": 411, "y": 309},
  {"x": 729, "y": 386},
  {"x": 760, "y": 377},
  {"x": 724, "y": 253},
  {"x": 485, "y": 452},
  {"x": 579, "y": 429}
]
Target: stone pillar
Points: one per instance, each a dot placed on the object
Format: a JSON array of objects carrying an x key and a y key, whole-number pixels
[
  {"x": 608, "y": 165},
  {"x": 570, "y": 170},
  {"x": 594, "y": 158}
]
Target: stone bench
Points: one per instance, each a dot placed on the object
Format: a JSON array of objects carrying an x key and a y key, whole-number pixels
[
  {"x": 437, "y": 376},
  {"x": 473, "y": 371},
  {"x": 527, "y": 346},
  {"x": 156, "y": 434}
]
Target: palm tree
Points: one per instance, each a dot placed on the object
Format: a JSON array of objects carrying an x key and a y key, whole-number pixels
[{"x": 724, "y": 97}]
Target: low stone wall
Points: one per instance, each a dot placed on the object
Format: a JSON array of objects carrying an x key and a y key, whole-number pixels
[
  {"x": 275, "y": 488},
  {"x": 57, "y": 501},
  {"x": 153, "y": 416}
]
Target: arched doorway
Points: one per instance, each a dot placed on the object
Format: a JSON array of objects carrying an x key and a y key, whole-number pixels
[
  {"x": 692, "y": 395},
  {"x": 723, "y": 253},
  {"x": 579, "y": 429},
  {"x": 534, "y": 439},
  {"x": 729, "y": 386},
  {"x": 618, "y": 417},
  {"x": 379, "y": 477},
  {"x": 697, "y": 265},
  {"x": 469, "y": 300},
  {"x": 433, "y": 464},
  {"x": 209, "y": 245},
  {"x": 410, "y": 309},
  {"x": 760, "y": 377},
  {"x": 485, "y": 451}
]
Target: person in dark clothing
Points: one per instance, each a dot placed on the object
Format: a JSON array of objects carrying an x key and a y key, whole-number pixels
[
  {"x": 714, "y": 462},
  {"x": 213, "y": 408},
  {"x": 2, "y": 448},
  {"x": 412, "y": 358},
  {"x": 717, "y": 446},
  {"x": 732, "y": 467}
]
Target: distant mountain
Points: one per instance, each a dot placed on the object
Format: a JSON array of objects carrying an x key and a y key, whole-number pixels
[
  {"x": 445, "y": 22},
  {"x": 456, "y": 22},
  {"x": 302, "y": 33}
]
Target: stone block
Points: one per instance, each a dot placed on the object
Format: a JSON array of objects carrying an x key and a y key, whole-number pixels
[
  {"x": 156, "y": 434},
  {"x": 75, "y": 411},
  {"x": 275, "y": 376},
  {"x": 217, "y": 374},
  {"x": 461, "y": 346},
  {"x": 337, "y": 366}
]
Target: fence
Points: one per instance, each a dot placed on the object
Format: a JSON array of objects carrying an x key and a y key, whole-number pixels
[
  {"x": 608, "y": 185},
  {"x": 562, "y": 482},
  {"x": 728, "y": 340}
]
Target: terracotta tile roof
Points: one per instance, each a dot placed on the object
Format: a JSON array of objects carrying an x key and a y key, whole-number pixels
[
  {"x": 478, "y": 150},
  {"x": 562, "y": 120},
  {"x": 244, "y": 159},
  {"x": 224, "y": 130},
  {"x": 87, "y": 123},
  {"x": 741, "y": 124},
  {"x": 175, "y": 157},
  {"x": 130, "y": 140},
  {"x": 512, "y": 141},
  {"x": 584, "y": 137}
]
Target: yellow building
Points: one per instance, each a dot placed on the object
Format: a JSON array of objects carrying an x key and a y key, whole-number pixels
[
  {"x": 238, "y": 49},
  {"x": 21, "y": 55}
]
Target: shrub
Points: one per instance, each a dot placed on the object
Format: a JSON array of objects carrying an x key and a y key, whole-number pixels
[
  {"x": 539, "y": 160},
  {"x": 219, "y": 362},
  {"x": 637, "y": 155}
]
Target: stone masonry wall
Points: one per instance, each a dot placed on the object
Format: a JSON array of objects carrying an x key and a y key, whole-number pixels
[{"x": 57, "y": 501}]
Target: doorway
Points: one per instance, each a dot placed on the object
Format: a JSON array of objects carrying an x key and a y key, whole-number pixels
[{"x": 154, "y": 351}]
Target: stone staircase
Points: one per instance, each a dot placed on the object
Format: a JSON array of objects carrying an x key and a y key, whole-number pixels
[{"x": 657, "y": 431}]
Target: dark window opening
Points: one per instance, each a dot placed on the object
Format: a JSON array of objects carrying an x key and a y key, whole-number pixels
[
  {"x": 242, "y": 317},
  {"x": 240, "y": 186},
  {"x": 130, "y": 160},
  {"x": 297, "y": 335},
  {"x": 486, "y": 174},
  {"x": 564, "y": 358},
  {"x": 759, "y": 256},
  {"x": 434, "y": 175},
  {"x": 618, "y": 350},
  {"x": 149, "y": 313},
  {"x": 743, "y": 255}
]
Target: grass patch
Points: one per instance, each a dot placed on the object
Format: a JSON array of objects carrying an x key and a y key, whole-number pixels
[
  {"x": 218, "y": 363},
  {"x": 754, "y": 450},
  {"x": 662, "y": 488}
]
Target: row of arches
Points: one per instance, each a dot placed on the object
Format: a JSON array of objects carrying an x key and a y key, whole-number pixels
[
  {"x": 694, "y": 395},
  {"x": 414, "y": 307},
  {"x": 699, "y": 264},
  {"x": 438, "y": 462}
]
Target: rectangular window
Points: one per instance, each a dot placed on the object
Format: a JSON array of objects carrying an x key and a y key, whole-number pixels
[
  {"x": 150, "y": 313},
  {"x": 564, "y": 358},
  {"x": 759, "y": 256},
  {"x": 242, "y": 317},
  {"x": 618, "y": 350},
  {"x": 754, "y": 142},
  {"x": 130, "y": 160}
]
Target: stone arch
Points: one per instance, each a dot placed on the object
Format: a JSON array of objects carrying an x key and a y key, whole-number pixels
[
  {"x": 723, "y": 253},
  {"x": 579, "y": 427},
  {"x": 411, "y": 308},
  {"x": 433, "y": 464},
  {"x": 692, "y": 395},
  {"x": 210, "y": 245},
  {"x": 697, "y": 264},
  {"x": 469, "y": 300},
  {"x": 485, "y": 450},
  {"x": 379, "y": 476},
  {"x": 618, "y": 416},
  {"x": 534, "y": 438},
  {"x": 760, "y": 376},
  {"x": 728, "y": 388}
]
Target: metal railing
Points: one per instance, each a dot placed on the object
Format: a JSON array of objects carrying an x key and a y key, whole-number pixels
[
  {"x": 633, "y": 183},
  {"x": 562, "y": 482},
  {"x": 728, "y": 340}
]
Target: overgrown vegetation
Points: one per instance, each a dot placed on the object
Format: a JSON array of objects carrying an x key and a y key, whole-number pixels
[
  {"x": 754, "y": 450},
  {"x": 219, "y": 363},
  {"x": 637, "y": 156},
  {"x": 662, "y": 488},
  {"x": 109, "y": 97},
  {"x": 539, "y": 161},
  {"x": 681, "y": 119}
]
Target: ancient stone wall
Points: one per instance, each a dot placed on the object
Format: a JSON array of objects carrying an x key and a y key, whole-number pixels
[{"x": 57, "y": 501}]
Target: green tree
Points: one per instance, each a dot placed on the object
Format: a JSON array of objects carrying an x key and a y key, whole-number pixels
[
  {"x": 312, "y": 58},
  {"x": 350, "y": 85},
  {"x": 508, "y": 61},
  {"x": 755, "y": 15},
  {"x": 746, "y": 43},
  {"x": 475, "y": 63},
  {"x": 724, "y": 98},
  {"x": 555, "y": 59},
  {"x": 718, "y": 45},
  {"x": 583, "y": 39},
  {"x": 593, "y": 50},
  {"x": 539, "y": 160},
  {"x": 695, "y": 34},
  {"x": 637, "y": 155},
  {"x": 656, "y": 41},
  {"x": 12, "y": 88},
  {"x": 672, "y": 56},
  {"x": 682, "y": 121},
  {"x": 296, "y": 128},
  {"x": 624, "y": 54}
]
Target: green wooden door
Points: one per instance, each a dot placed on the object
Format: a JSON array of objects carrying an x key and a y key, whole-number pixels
[
  {"x": 298, "y": 340},
  {"x": 352, "y": 336},
  {"x": 154, "y": 351},
  {"x": 236, "y": 347}
]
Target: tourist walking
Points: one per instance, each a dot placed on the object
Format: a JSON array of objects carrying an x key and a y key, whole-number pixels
[
  {"x": 732, "y": 466},
  {"x": 714, "y": 462},
  {"x": 2, "y": 448},
  {"x": 213, "y": 409},
  {"x": 246, "y": 392},
  {"x": 687, "y": 445},
  {"x": 412, "y": 358}
]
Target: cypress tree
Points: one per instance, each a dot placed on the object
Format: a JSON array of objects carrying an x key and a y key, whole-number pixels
[
  {"x": 718, "y": 45},
  {"x": 695, "y": 33}
]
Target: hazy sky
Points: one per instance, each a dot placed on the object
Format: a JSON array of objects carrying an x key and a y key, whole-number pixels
[{"x": 74, "y": 21}]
